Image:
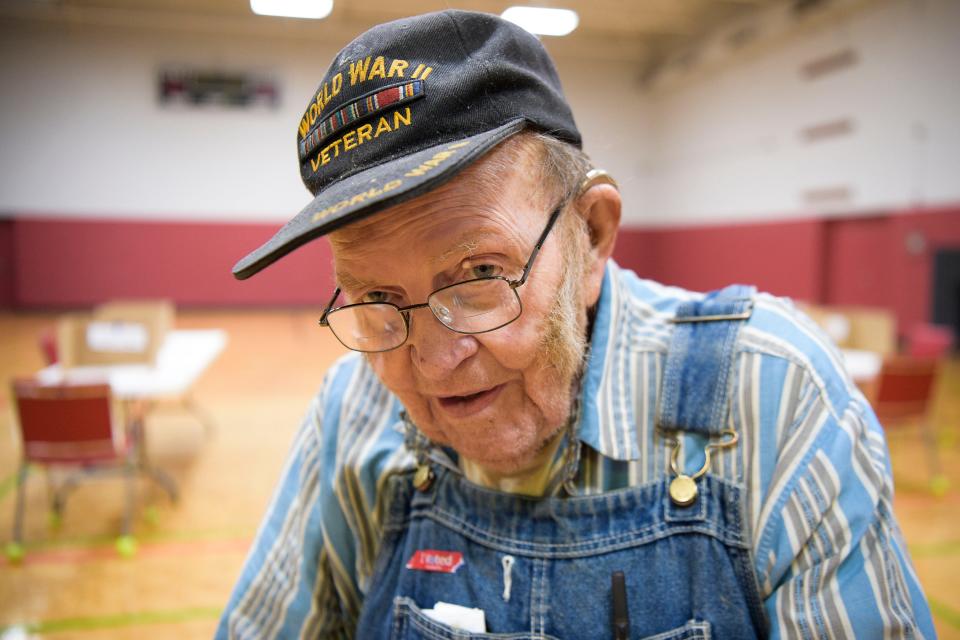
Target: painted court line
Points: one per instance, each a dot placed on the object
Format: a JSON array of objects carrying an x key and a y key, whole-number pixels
[
  {"x": 149, "y": 550},
  {"x": 944, "y": 613},
  {"x": 93, "y": 623},
  {"x": 98, "y": 548},
  {"x": 145, "y": 538},
  {"x": 932, "y": 549}
]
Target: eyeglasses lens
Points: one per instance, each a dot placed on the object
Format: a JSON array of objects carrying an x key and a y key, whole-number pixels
[
  {"x": 475, "y": 306},
  {"x": 369, "y": 327}
]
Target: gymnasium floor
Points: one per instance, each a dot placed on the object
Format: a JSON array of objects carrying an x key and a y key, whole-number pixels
[{"x": 72, "y": 583}]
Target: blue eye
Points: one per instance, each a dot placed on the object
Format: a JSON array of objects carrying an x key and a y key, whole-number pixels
[
  {"x": 376, "y": 296},
  {"x": 484, "y": 270}
]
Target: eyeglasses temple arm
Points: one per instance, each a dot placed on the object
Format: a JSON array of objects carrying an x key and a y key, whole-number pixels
[
  {"x": 536, "y": 248},
  {"x": 326, "y": 311}
]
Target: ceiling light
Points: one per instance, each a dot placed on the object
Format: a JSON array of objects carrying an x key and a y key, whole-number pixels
[
  {"x": 314, "y": 9},
  {"x": 543, "y": 21}
]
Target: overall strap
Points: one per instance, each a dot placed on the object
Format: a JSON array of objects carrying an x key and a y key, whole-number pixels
[{"x": 698, "y": 371}]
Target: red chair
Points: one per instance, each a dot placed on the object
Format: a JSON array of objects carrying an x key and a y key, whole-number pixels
[
  {"x": 47, "y": 341},
  {"x": 903, "y": 396},
  {"x": 71, "y": 425},
  {"x": 929, "y": 341}
]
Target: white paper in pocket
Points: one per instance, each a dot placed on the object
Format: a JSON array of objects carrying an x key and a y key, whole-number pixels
[{"x": 453, "y": 615}]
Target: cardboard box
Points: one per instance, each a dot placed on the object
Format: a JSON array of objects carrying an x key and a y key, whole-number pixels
[
  {"x": 118, "y": 332},
  {"x": 867, "y": 328}
]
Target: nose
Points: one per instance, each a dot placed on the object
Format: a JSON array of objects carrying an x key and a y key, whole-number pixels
[{"x": 435, "y": 350}]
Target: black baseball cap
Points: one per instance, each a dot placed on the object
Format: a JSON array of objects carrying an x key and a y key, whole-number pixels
[{"x": 406, "y": 106}]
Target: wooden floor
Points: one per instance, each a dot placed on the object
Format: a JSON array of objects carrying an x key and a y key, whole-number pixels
[{"x": 72, "y": 583}]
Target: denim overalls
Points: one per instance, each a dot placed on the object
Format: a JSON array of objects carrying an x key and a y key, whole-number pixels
[{"x": 541, "y": 568}]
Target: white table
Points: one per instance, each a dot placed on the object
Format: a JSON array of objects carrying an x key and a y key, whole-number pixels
[
  {"x": 183, "y": 356},
  {"x": 862, "y": 365}
]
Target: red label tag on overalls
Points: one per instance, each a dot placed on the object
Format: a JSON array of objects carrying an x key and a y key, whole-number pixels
[{"x": 433, "y": 560}]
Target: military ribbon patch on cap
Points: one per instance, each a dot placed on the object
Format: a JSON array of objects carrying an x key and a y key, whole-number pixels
[{"x": 360, "y": 108}]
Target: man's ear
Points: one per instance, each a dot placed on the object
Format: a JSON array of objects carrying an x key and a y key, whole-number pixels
[{"x": 599, "y": 206}]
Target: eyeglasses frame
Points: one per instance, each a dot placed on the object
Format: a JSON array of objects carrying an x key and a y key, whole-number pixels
[{"x": 405, "y": 311}]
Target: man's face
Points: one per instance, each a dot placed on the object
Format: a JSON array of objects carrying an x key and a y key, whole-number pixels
[{"x": 495, "y": 397}]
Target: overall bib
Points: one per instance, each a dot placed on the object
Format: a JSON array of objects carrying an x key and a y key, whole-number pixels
[{"x": 541, "y": 567}]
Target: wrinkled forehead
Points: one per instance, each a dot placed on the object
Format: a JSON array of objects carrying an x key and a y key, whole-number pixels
[
  {"x": 436, "y": 230},
  {"x": 495, "y": 196}
]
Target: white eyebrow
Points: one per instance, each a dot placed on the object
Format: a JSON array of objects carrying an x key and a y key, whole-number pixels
[
  {"x": 348, "y": 281},
  {"x": 466, "y": 244}
]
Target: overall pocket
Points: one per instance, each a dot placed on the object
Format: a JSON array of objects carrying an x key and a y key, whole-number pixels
[
  {"x": 693, "y": 630},
  {"x": 410, "y": 623}
]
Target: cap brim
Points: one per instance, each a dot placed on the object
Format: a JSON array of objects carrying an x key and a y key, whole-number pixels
[{"x": 371, "y": 191}]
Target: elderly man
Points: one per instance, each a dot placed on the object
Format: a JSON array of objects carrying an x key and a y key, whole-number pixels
[{"x": 532, "y": 442}]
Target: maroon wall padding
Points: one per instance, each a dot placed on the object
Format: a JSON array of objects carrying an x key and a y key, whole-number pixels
[
  {"x": 859, "y": 261},
  {"x": 884, "y": 260},
  {"x": 888, "y": 261},
  {"x": 785, "y": 258},
  {"x": 7, "y": 262},
  {"x": 75, "y": 263}
]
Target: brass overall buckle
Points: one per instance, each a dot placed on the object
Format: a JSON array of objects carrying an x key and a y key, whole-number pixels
[{"x": 683, "y": 488}]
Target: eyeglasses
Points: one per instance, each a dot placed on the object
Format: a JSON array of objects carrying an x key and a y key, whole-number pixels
[{"x": 470, "y": 307}]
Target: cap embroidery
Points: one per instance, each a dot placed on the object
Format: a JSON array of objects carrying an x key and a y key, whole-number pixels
[
  {"x": 490, "y": 86},
  {"x": 358, "y": 109}
]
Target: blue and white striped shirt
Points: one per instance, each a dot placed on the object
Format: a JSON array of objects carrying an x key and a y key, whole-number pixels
[{"x": 827, "y": 551}]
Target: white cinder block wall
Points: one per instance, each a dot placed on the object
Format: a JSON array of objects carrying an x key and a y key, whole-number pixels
[
  {"x": 82, "y": 133},
  {"x": 729, "y": 145}
]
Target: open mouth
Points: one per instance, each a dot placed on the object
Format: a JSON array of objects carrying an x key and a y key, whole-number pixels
[{"x": 461, "y": 406}]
